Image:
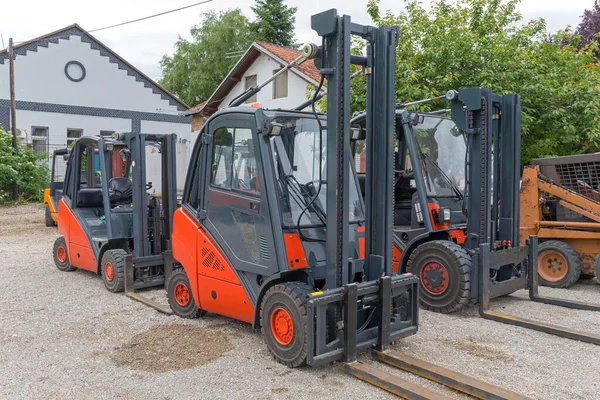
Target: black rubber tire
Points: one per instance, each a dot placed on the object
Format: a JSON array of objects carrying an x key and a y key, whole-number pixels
[
  {"x": 292, "y": 297},
  {"x": 191, "y": 310},
  {"x": 48, "y": 216},
  {"x": 457, "y": 263},
  {"x": 117, "y": 259},
  {"x": 66, "y": 265},
  {"x": 597, "y": 268},
  {"x": 573, "y": 263}
]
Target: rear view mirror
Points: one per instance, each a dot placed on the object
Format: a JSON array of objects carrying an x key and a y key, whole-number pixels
[{"x": 65, "y": 157}]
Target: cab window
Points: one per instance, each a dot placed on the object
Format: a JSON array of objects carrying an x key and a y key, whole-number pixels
[{"x": 234, "y": 165}]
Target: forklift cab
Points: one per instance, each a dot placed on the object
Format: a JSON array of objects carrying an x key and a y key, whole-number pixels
[
  {"x": 53, "y": 193},
  {"x": 430, "y": 153}
]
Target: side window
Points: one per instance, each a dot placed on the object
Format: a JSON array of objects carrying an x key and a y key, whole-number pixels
[
  {"x": 89, "y": 168},
  {"x": 234, "y": 166},
  {"x": 193, "y": 195},
  {"x": 221, "y": 158}
]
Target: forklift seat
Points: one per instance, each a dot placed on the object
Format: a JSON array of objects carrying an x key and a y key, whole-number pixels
[
  {"x": 89, "y": 197},
  {"x": 120, "y": 190}
]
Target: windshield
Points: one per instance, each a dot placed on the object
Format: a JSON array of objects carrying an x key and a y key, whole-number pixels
[
  {"x": 300, "y": 164},
  {"x": 442, "y": 151}
]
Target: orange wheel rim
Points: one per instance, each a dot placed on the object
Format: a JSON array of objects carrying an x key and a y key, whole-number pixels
[
  {"x": 282, "y": 326},
  {"x": 61, "y": 254},
  {"x": 552, "y": 266},
  {"x": 109, "y": 271},
  {"x": 182, "y": 294}
]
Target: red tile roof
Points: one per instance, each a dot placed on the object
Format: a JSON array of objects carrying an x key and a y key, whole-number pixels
[
  {"x": 288, "y": 55},
  {"x": 308, "y": 71},
  {"x": 195, "y": 108}
]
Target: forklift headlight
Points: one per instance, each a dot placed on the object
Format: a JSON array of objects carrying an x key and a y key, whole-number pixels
[
  {"x": 446, "y": 214},
  {"x": 273, "y": 128},
  {"x": 356, "y": 133}
]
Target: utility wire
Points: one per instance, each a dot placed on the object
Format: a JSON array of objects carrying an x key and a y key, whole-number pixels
[
  {"x": 150, "y": 16},
  {"x": 125, "y": 23}
]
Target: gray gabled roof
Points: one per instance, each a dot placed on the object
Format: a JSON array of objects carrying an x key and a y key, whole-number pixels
[{"x": 21, "y": 49}]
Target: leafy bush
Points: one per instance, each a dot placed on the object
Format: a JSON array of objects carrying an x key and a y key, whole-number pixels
[{"x": 24, "y": 167}]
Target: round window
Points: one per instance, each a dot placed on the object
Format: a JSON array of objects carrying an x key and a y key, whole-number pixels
[{"x": 75, "y": 71}]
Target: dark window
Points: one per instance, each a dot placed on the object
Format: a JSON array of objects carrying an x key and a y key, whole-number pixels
[
  {"x": 193, "y": 195},
  {"x": 280, "y": 85},
  {"x": 39, "y": 139},
  {"x": 233, "y": 161},
  {"x": 89, "y": 168},
  {"x": 73, "y": 135},
  {"x": 250, "y": 81}
]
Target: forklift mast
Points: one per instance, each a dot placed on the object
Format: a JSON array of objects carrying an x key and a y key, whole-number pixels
[
  {"x": 334, "y": 62},
  {"x": 492, "y": 124},
  {"x": 137, "y": 143}
]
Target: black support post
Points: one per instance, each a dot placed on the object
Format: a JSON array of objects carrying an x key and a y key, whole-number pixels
[
  {"x": 381, "y": 54},
  {"x": 335, "y": 65}
]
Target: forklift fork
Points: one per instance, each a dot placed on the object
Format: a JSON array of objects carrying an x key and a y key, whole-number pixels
[
  {"x": 488, "y": 260},
  {"x": 130, "y": 278}
]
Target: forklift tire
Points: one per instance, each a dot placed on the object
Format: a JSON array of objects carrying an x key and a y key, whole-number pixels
[
  {"x": 559, "y": 265},
  {"x": 113, "y": 270},
  {"x": 179, "y": 293},
  {"x": 61, "y": 257},
  {"x": 49, "y": 220},
  {"x": 283, "y": 322},
  {"x": 444, "y": 272}
]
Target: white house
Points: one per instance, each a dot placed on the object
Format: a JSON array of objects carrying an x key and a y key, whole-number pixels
[
  {"x": 260, "y": 62},
  {"x": 68, "y": 84}
]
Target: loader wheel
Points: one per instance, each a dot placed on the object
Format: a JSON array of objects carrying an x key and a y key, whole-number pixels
[
  {"x": 61, "y": 257},
  {"x": 113, "y": 270},
  {"x": 597, "y": 268},
  {"x": 559, "y": 265},
  {"x": 444, "y": 271},
  {"x": 179, "y": 293},
  {"x": 283, "y": 322},
  {"x": 48, "y": 216}
]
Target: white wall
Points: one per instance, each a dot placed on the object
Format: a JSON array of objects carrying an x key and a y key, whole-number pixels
[
  {"x": 58, "y": 123},
  {"x": 263, "y": 68},
  {"x": 40, "y": 77}
]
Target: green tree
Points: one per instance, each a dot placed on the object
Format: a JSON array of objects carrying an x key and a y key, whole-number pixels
[
  {"x": 198, "y": 66},
  {"x": 275, "y": 22},
  {"x": 470, "y": 43},
  {"x": 22, "y": 167}
]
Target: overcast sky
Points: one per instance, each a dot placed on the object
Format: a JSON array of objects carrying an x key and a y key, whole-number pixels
[{"x": 144, "y": 43}]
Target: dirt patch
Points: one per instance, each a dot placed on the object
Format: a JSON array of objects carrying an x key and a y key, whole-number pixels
[
  {"x": 174, "y": 347},
  {"x": 472, "y": 347}
]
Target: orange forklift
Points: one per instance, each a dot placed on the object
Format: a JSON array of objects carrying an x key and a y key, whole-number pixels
[
  {"x": 53, "y": 193},
  {"x": 273, "y": 230},
  {"x": 106, "y": 211}
]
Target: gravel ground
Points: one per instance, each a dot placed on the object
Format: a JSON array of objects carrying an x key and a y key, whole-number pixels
[{"x": 62, "y": 335}]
